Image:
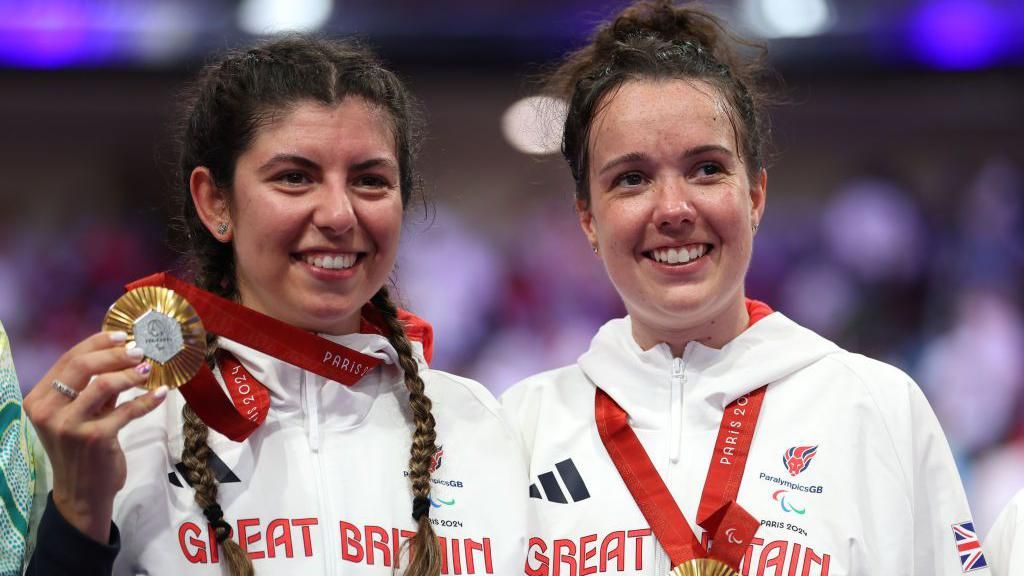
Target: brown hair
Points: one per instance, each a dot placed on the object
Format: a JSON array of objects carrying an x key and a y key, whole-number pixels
[
  {"x": 655, "y": 39},
  {"x": 227, "y": 105}
]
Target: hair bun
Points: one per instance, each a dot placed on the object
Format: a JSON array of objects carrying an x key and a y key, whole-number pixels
[{"x": 662, "y": 20}]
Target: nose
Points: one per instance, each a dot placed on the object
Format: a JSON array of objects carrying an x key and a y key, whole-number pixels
[
  {"x": 673, "y": 206},
  {"x": 334, "y": 212}
]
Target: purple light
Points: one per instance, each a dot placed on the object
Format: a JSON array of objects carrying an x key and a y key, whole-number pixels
[
  {"x": 958, "y": 34},
  {"x": 41, "y": 35},
  {"x": 59, "y": 33}
]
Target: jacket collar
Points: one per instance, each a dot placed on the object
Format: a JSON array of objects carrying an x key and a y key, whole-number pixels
[
  {"x": 343, "y": 405},
  {"x": 640, "y": 381}
]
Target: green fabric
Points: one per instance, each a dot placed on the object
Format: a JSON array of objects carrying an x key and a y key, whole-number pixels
[{"x": 17, "y": 467}]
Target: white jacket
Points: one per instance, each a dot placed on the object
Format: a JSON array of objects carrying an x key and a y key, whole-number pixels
[
  {"x": 321, "y": 487},
  {"x": 881, "y": 496},
  {"x": 1004, "y": 544}
]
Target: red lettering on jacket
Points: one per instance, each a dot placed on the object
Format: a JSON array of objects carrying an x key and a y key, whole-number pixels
[
  {"x": 456, "y": 556},
  {"x": 810, "y": 558},
  {"x": 472, "y": 547},
  {"x": 370, "y": 545},
  {"x": 351, "y": 543},
  {"x": 304, "y": 524},
  {"x": 377, "y": 540},
  {"x": 564, "y": 552},
  {"x": 245, "y": 540},
  {"x": 794, "y": 558},
  {"x": 572, "y": 558},
  {"x": 278, "y": 540},
  {"x": 279, "y": 534},
  {"x": 639, "y": 535},
  {"x": 584, "y": 556},
  {"x": 588, "y": 549},
  {"x": 375, "y": 545},
  {"x": 536, "y": 562},
  {"x": 618, "y": 553},
  {"x": 195, "y": 549},
  {"x": 773, "y": 556}
]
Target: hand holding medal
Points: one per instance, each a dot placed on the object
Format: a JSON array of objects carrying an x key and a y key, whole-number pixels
[
  {"x": 167, "y": 330},
  {"x": 75, "y": 411}
]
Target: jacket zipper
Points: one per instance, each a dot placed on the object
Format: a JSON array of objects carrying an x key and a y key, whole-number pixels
[
  {"x": 661, "y": 563},
  {"x": 676, "y": 410},
  {"x": 313, "y": 436}
]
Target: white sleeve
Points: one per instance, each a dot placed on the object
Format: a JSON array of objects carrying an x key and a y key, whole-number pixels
[
  {"x": 945, "y": 541},
  {"x": 1004, "y": 546}
]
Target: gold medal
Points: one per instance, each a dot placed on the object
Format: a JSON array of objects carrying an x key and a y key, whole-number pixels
[
  {"x": 168, "y": 330},
  {"x": 703, "y": 567}
]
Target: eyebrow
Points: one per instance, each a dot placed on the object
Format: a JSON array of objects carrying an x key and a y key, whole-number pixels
[
  {"x": 373, "y": 163},
  {"x": 624, "y": 159},
  {"x": 311, "y": 165},
  {"x": 641, "y": 157},
  {"x": 288, "y": 159}
]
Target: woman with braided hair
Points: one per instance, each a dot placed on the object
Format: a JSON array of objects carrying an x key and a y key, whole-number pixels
[
  {"x": 296, "y": 164},
  {"x": 705, "y": 433}
]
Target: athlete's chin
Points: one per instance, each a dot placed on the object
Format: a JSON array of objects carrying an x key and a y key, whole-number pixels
[
  {"x": 327, "y": 314},
  {"x": 681, "y": 307},
  {"x": 675, "y": 300}
]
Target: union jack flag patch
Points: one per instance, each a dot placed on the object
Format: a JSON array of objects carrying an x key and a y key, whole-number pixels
[{"x": 968, "y": 547}]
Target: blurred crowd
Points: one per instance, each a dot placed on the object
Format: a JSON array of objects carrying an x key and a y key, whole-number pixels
[{"x": 935, "y": 290}]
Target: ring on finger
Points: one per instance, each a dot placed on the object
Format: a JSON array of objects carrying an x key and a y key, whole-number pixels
[{"x": 64, "y": 389}]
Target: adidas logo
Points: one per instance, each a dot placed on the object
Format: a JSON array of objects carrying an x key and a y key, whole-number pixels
[
  {"x": 220, "y": 470},
  {"x": 570, "y": 480}
]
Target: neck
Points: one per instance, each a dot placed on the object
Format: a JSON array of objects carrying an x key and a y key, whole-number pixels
[
  {"x": 714, "y": 331},
  {"x": 318, "y": 324}
]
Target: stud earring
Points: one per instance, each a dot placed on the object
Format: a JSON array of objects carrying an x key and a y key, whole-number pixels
[
  {"x": 222, "y": 228},
  {"x": 753, "y": 227},
  {"x": 595, "y": 250}
]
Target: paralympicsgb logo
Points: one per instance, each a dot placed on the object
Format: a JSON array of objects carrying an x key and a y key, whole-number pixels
[
  {"x": 798, "y": 458},
  {"x": 435, "y": 460}
]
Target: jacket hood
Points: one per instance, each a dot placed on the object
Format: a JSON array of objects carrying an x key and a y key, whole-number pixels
[{"x": 641, "y": 381}]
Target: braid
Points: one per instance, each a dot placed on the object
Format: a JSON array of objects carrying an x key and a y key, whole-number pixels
[
  {"x": 425, "y": 558},
  {"x": 195, "y": 457}
]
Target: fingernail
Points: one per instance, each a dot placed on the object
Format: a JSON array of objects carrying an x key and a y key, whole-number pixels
[
  {"x": 160, "y": 392},
  {"x": 134, "y": 352},
  {"x": 118, "y": 336},
  {"x": 143, "y": 368}
]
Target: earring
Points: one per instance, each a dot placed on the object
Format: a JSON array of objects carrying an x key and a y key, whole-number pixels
[
  {"x": 753, "y": 227},
  {"x": 595, "y": 250},
  {"x": 222, "y": 228}
]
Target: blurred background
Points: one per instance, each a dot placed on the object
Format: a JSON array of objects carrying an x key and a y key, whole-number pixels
[{"x": 894, "y": 222}]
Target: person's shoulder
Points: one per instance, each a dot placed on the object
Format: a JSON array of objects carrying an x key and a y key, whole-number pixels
[
  {"x": 1016, "y": 506},
  {"x": 1010, "y": 521},
  {"x": 1004, "y": 543},
  {"x": 545, "y": 383},
  {"x": 870, "y": 375},
  {"x": 466, "y": 409},
  {"x": 445, "y": 388}
]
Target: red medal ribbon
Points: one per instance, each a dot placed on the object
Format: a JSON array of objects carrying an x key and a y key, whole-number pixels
[
  {"x": 249, "y": 395},
  {"x": 260, "y": 332},
  {"x": 732, "y": 528}
]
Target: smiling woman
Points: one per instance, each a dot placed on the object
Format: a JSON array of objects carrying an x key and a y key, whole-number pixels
[
  {"x": 295, "y": 167},
  {"x": 670, "y": 209},
  {"x": 316, "y": 217},
  {"x": 705, "y": 433}
]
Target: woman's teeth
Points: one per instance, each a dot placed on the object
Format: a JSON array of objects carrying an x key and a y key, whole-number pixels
[
  {"x": 680, "y": 255},
  {"x": 339, "y": 262}
]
